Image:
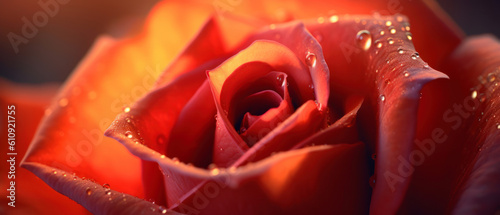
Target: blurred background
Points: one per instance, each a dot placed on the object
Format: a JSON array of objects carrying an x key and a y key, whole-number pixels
[{"x": 69, "y": 28}]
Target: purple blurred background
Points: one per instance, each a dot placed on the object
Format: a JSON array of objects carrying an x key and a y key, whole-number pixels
[{"x": 59, "y": 44}]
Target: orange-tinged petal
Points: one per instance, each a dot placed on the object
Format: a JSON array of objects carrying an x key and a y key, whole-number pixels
[
  {"x": 30, "y": 103},
  {"x": 114, "y": 74}
]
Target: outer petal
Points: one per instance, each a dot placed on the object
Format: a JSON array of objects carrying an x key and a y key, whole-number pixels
[
  {"x": 387, "y": 69},
  {"x": 114, "y": 74},
  {"x": 271, "y": 186},
  {"x": 30, "y": 103},
  {"x": 476, "y": 66}
]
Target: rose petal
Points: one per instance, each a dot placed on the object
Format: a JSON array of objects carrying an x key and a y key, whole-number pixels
[
  {"x": 270, "y": 186},
  {"x": 392, "y": 76},
  {"x": 247, "y": 66},
  {"x": 96, "y": 198},
  {"x": 475, "y": 65},
  {"x": 114, "y": 74},
  {"x": 30, "y": 103}
]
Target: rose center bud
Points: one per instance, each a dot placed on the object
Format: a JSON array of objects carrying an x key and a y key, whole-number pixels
[{"x": 260, "y": 106}]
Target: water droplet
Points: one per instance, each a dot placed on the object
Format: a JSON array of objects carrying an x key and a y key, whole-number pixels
[
  {"x": 498, "y": 126},
  {"x": 128, "y": 134},
  {"x": 106, "y": 186},
  {"x": 126, "y": 109},
  {"x": 387, "y": 61},
  {"x": 107, "y": 192},
  {"x": 390, "y": 41},
  {"x": 409, "y": 36},
  {"x": 54, "y": 172},
  {"x": 162, "y": 210},
  {"x": 175, "y": 160},
  {"x": 311, "y": 59},
  {"x": 321, "y": 20},
  {"x": 426, "y": 66},
  {"x": 378, "y": 44},
  {"x": 334, "y": 19},
  {"x": 392, "y": 30},
  {"x": 474, "y": 94},
  {"x": 382, "y": 33},
  {"x": 388, "y": 23},
  {"x": 364, "y": 39},
  {"x": 74, "y": 178},
  {"x": 88, "y": 191},
  {"x": 400, "y": 51},
  {"x": 63, "y": 102},
  {"x": 387, "y": 82},
  {"x": 415, "y": 55},
  {"x": 491, "y": 77},
  {"x": 382, "y": 98},
  {"x": 406, "y": 74},
  {"x": 162, "y": 156}
]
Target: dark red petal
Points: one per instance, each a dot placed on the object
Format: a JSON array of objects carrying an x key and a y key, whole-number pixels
[
  {"x": 306, "y": 121},
  {"x": 192, "y": 136},
  {"x": 288, "y": 183},
  {"x": 96, "y": 198},
  {"x": 344, "y": 130},
  {"x": 392, "y": 76},
  {"x": 475, "y": 66}
]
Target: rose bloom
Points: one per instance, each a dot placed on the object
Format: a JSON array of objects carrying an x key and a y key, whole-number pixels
[{"x": 260, "y": 107}]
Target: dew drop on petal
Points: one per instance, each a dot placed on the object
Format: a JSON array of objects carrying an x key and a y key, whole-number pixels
[
  {"x": 390, "y": 41},
  {"x": 128, "y": 134},
  {"x": 107, "y": 192},
  {"x": 409, "y": 36},
  {"x": 399, "y": 18},
  {"x": 400, "y": 51},
  {"x": 415, "y": 55},
  {"x": 491, "y": 77},
  {"x": 88, "y": 191},
  {"x": 106, "y": 186},
  {"x": 54, "y": 172},
  {"x": 382, "y": 33},
  {"x": 406, "y": 74},
  {"x": 334, "y": 19},
  {"x": 162, "y": 156},
  {"x": 126, "y": 109},
  {"x": 311, "y": 59},
  {"x": 382, "y": 98},
  {"x": 378, "y": 44},
  {"x": 498, "y": 126},
  {"x": 162, "y": 210},
  {"x": 474, "y": 94},
  {"x": 392, "y": 30},
  {"x": 364, "y": 39},
  {"x": 388, "y": 23}
]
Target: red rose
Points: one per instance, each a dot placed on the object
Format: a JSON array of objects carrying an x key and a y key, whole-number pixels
[{"x": 280, "y": 109}]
